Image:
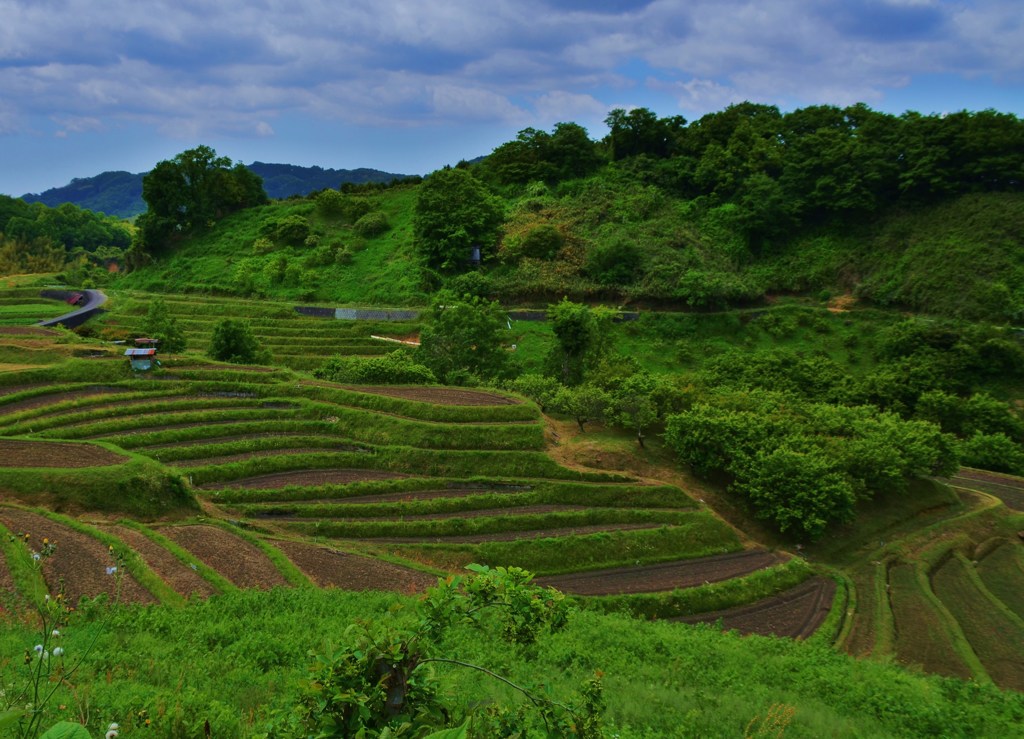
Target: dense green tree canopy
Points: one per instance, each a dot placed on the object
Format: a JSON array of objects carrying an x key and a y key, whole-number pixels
[
  {"x": 455, "y": 212},
  {"x": 465, "y": 339},
  {"x": 192, "y": 191}
]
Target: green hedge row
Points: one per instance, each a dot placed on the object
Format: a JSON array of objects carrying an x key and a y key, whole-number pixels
[
  {"x": 420, "y": 462},
  {"x": 601, "y": 497},
  {"x": 703, "y": 535}
]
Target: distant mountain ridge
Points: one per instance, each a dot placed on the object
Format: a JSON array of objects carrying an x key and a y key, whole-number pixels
[{"x": 120, "y": 193}]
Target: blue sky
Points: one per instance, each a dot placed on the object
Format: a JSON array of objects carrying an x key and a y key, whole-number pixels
[{"x": 411, "y": 85}]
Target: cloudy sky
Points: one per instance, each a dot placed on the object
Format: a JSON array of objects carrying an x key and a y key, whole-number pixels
[{"x": 410, "y": 85}]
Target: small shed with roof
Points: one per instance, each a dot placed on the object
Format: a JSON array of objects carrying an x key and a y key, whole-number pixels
[{"x": 141, "y": 359}]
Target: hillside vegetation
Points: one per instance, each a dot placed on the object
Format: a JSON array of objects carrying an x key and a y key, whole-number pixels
[{"x": 774, "y": 388}]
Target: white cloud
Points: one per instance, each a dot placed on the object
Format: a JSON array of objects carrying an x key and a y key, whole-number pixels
[{"x": 236, "y": 64}]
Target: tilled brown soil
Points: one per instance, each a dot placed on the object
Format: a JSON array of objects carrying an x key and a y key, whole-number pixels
[
  {"x": 182, "y": 579},
  {"x": 14, "y": 453},
  {"x": 1007, "y": 488},
  {"x": 332, "y": 569},
  {"x": 436, "y": 396},
  {"x": 796, "y": 613},
  {"x": 663, "y": 576},
  {"x": 52, "y": 398},
  {"x": 79, "y": 564},
  {"x": 304, "y": 477},
  {"x": 236, "y": 559},
  {"x": 515, "y": 535}
]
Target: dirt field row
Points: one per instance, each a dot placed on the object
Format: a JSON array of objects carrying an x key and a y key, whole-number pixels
[
  {"x": 796, "y": 613},
  {"x": 14, "y": 453},
  {"x": 80, "y": 565},
  {"x": 664, "y": 576},
  {"x": 40, "y": 401},
  {"x": 1007, "y": 488}
]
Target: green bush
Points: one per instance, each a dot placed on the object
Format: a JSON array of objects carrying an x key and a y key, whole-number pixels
[
  {"x": 234, "y": 341},
  {"x": 395, "y": 368},
  {"x": 372, "y": 224}
]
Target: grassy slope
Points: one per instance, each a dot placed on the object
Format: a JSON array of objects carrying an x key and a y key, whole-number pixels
[
  {"x": 690, "y": 257},
  {"x": 383, "y": 270},
  {"x": 661, "y": 680}
]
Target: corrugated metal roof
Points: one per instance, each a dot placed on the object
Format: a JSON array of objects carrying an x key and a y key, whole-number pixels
[{"x": 139, "y": 352}]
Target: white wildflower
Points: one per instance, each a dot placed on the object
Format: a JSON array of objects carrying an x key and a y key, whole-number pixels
[
  {"x": 55, "y": 633},
  {"x": 111, "y": 570},
  {"x": 38, "y": 648},
  {"x": 58, "y": 651},
  {"x": 111, "y": 731},
  {"x": 36, "y": 556}
]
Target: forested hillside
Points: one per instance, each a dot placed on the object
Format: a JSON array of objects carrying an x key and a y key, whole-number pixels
[
  {"x": 722, "y": 212},
  {"x": 120, "y": 193}
]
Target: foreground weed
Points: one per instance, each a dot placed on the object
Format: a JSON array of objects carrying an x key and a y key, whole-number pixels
[{"x": 47, "y": 666}]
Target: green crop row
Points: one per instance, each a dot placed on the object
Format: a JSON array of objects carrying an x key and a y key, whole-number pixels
[
  {"x": 595, "y": 496},
  {"x": 483, "y": 525},
  {"x": 26, "y": 577},
  {"x": 139, "y": 487},
  {"x": 34, "y": 421},
  {"x": 703, "y": 535},
  {"x": 255, "y": 444},
  {"x": 109, "y": 424},
  {"x": 421, "y": 462},
  {"x": 498, "y": 413}
]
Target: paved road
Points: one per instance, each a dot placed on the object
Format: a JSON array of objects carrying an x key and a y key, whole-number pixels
[{"x": 93, "y": 300}]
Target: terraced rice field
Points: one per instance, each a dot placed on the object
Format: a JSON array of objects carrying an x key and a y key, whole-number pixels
[
  {"x": 364, "y": 487},
  {"x": 1007, "y": 488},
  {"x": 293, "y": 340},
  {"x": 937, "y": 609}
]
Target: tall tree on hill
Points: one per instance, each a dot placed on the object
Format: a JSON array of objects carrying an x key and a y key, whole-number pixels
[
  {"x": 191, "y": 192},
  {"x": 454, "y": 213}
]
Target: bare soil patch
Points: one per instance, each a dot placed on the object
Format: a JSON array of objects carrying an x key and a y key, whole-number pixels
[
  {"x": 436, "y": 395},
  {"x": 179, "y": 576},
  {"x": 40, "y": 401},
  {"x": 796, "y": 613},
  {"x": 242, "y": 563},
  {"x": 663, "y": 576},
  {"x": 304, "y": 477},
  {"x": 79, "y": 564},
  {"x": 14, "y": 453},
  {"x": 332, "y": 569}
]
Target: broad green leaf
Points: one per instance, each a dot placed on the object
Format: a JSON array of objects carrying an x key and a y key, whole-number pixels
[
  {"x": 66, "y": 730},
  {"x": 459, "y": 732},
  {"x": 10, "y": 718}
]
